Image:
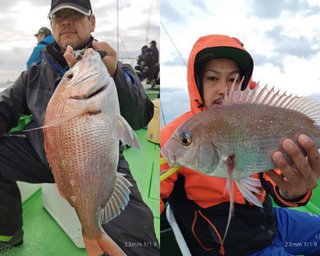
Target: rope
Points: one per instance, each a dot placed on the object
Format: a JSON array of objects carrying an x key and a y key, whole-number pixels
[
  {"x": 162, "y": 114},
  {"x": 182, "y": 59},
  {"x": 148, "y": 22},
  {"x": 165, "y": 174}
]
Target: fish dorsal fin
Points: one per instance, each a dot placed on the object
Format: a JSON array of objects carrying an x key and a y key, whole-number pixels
[
  {"x": 126, "y": 133},
  {"x": 272, "y": 97},
  {"x": 247, "y": 186},
  {"x": 119, "y": 199}
]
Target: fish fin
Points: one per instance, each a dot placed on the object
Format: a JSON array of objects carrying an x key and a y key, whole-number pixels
[
  {"x": 230, "y": 162},
  {"x": 83, "y": 109},
  {"x": 119, "y": 199},
  {"x": 247, "y": 186},
  {"x": 103, "y": 244},
  {"x": 126, "y": 133},
  {"x": 272, "y": 97}
]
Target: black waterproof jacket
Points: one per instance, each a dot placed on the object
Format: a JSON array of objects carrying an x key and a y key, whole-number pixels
[{"x": 32, "y": 91}]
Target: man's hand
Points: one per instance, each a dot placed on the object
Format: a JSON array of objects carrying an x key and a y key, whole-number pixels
[
  {"x": 302, "y": 175},
  {"x": 69, "y": 56},
  {"x": 110, "y": 60}
]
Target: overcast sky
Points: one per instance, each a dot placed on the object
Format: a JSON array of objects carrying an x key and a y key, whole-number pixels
[
  {"x": 283, "y": 36},
  {"x": 21, "y": 19}
]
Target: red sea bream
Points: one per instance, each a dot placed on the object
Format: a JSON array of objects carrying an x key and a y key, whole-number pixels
[
  {"x": 82, "y": 130},
  {"x": 237, "y": 138}
]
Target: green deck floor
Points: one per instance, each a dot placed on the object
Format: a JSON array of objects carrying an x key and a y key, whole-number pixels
[
  {"x": 313, "y": 206},
  {"x": 43, "y": 236}
]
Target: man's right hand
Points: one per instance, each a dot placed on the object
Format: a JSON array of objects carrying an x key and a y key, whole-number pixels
[{"x": 69, "y": 56}]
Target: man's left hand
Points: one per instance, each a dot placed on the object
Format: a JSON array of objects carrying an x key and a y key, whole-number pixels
[
  {"x": 109, "y": 60},
  {"x": 300, "y": 177}
]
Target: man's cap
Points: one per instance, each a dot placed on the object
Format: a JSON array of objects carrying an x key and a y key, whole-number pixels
[
  {"x": 82, "y": 6},
  {"x": 44, "y": 31},
  {"x": 233, "y": 50}
]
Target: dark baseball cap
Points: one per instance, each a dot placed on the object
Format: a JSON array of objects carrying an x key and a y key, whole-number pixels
[
  {"x": 44, "y": 31},
  {"x": 82, "y": 6}
]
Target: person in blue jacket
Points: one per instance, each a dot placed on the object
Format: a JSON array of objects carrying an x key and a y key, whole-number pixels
[{"x": 44, "y": 38}]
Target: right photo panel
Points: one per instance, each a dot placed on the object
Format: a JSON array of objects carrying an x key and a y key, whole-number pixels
[{"x": 239, "y": 128}]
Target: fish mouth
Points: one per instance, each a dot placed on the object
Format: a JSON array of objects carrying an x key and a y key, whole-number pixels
[
  {"x": 171, "y": 160},
  {"x": 90, "y": 95},
  {"x": 218, "y": 101}
]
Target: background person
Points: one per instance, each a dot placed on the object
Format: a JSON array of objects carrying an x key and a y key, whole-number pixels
[{"x": 44, "y": 38}]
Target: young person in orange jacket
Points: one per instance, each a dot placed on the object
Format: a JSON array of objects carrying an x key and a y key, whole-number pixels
[{"x": 199, "y": 203}]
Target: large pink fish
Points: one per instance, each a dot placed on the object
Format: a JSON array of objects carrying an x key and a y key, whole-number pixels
[
  {"x": 237, "y": 139},
  {"x": 83, "y": 127}
]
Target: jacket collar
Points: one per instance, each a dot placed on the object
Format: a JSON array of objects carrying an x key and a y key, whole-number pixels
[{"x": 54, "y": 56}]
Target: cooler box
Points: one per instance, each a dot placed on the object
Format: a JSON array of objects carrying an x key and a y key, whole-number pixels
[
  {"x": 154, "y": 124},
  {"x": 62, "y": 213},
  {"x": 27, "y": 190}
]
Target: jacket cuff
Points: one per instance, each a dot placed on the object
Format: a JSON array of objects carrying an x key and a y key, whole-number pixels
[{"x": 294, "y": 202}]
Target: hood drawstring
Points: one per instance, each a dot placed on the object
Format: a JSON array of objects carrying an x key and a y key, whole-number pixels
[{"x": 200, "y": 104}]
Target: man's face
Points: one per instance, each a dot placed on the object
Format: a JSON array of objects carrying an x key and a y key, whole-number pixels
[
  {"x": 72, "y": 28},
  {"x": 217, "y": 75}
]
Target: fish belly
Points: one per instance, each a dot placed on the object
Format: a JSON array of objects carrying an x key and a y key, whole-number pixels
[
  {"x": 84, "y": 165},
  {"x": 253, "y": 133}
]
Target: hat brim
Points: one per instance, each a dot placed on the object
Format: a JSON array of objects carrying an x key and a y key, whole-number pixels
[
  {"x": 241, "y": 57},
  {"x": 75, "y": 7}
]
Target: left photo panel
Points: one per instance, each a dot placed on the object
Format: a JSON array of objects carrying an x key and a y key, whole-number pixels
[{"x": 79, "y": 128}]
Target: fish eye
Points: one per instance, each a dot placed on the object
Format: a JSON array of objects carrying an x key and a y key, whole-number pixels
[
  {"x": 185, "y": 138},
  {"x": 69, "y": 76}
]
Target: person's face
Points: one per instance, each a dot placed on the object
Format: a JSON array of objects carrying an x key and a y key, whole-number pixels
[
  {"x": 40, "y": 36},
  {"x": 70, "y": 27},
  {"x": 217, "y": 75}
]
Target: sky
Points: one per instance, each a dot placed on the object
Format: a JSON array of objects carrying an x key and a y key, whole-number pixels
[
  {"x": 21, "y": 19},
  {"x": 283, "y": 37}
]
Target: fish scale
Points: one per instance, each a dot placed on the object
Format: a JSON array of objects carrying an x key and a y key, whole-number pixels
[
  {"x": 257, "y": 133},
  {"x": 75, "y": 156},
  {"x": 82, "y": 130},
  {"x": 250, "y": 131}
]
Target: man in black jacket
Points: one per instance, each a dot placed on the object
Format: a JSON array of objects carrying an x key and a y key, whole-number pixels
[
  {"x": 22, "y": 158},
  {"x": 154, "y": 67}
]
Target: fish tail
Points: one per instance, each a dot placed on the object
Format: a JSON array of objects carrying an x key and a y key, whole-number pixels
[
  {"x": 109, "y": 246},
  {"x": 118, "y": 201},
  {"x": 102, "y": 245}
]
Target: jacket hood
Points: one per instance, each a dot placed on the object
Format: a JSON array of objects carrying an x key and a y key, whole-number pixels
[{"x": 213, "y": 47}]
